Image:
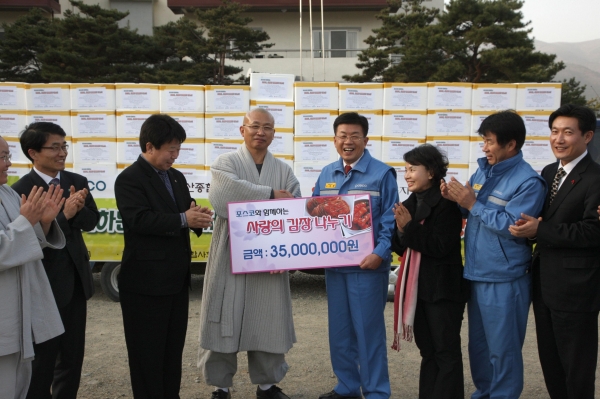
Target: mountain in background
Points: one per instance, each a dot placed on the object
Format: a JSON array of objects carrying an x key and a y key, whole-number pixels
[{"x": 582, "y": 60}]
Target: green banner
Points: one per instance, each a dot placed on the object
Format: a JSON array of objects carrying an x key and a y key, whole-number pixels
[{"x": 105, "y": 242}]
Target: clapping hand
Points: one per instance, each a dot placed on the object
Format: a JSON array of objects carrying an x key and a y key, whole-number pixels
[
  {"x": 401, "y": 215},
  {"x": 75, "y": 202},
  {"x": 198, "y": 217}
]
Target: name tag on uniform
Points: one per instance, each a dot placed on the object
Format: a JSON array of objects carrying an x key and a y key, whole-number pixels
[
  {"x": 476, "y": 186},
  {"x": 329, "y": 185}
]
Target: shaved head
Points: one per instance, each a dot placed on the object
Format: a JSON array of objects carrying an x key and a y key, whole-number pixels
[{"x": 263, "y": 111}]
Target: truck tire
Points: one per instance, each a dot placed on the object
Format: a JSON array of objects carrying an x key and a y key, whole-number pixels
[{"x": 109, "y": 280}]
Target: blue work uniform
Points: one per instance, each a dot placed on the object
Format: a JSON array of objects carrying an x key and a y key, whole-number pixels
[
  {"x": 497, "y": 265},
  {"x": 356, "y": 298}
]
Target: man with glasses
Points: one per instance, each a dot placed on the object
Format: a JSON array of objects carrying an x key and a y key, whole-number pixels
[
  {"x": 246, "y": 312},
  {"x": 356, "y": 296},
  {"x": 57, "y": 364}
]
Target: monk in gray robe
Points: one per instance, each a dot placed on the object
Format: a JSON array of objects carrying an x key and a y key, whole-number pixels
[
  {"x": 28, "y": 312},
  {"x": 246, "y": 312}
]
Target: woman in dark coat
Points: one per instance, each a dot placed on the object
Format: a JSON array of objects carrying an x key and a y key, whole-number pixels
[{"x": 431, "y": 225}]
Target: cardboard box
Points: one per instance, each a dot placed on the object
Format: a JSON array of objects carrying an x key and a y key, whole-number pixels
[
  {"x": 48, "y": 96},
  {"x": 181, "y": 98},
  {"x": 497, "y": 97},
  {"x": 405, "y": 124},
  {"x": 476, "y": 118},
  {"x": 94, "y": 124},
  {"x": 216, "y": 147},
  {"x": 93, "y": 96},
  {"x": 129, "y": 123},
  {"x": 12, "y": 122},
  {"x": 137, "y": 97},
  {"x": 192, "y": 152},
  {"x": 452, "y": 122},
  {"x": 536, "y": 123},
  {"x": 315, "y": 149},
  {"x": 444, "y": 96},
  {"x": 316, "y": 95},
  {"x": 314, "y": 122},
  {"x": 375, "y": 146},
  {"x": 227, "y": 98},
  {"x": 393, "y": 148},
  {"x": 538, "y": 96},
  {"x": 283, "y": 142},
  {"x": 13, "y": 96},
  {"x": 88, "y": 150},
  {"x": 361, "y": 96},
  {"x": 223, "y": 125},
  {"x": 405, "y": 96},
  {"x": 272, "y": 87},
  {"x": 538, "y": 150},
  {"x": 456, "y": 148},
  {"x": 192, "y": 122}
]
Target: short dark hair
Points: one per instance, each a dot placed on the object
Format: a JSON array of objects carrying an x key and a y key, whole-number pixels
[
  {"x": 584, "y": 115},
  {"x": 159, "y": 129},
  {"x": 351, "y": 118},
  {"x": 36, "y": 134},
  {"x": 506, "y": 125},
  {"x": 431, "y": 158}
]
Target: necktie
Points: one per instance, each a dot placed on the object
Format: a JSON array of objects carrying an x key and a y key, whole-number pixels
[
  {"x": 347, "y": 169},
  {"x": 559, "y": 175},
  {"x": 55, "y": 181},
  {"x": 165, "y": 178}
]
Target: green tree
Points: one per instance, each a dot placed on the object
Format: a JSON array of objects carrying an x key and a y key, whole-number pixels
[
  {"x": 229, "y": 37},
  {"x": 183, "y": 52},
  {"x": 395, "y": 30},
  {"x": 24, "y": 41},
  {"x": 91, "y": 47},
  {"x": 572, "y": 92},
  {"x": 479, "y": 41}
]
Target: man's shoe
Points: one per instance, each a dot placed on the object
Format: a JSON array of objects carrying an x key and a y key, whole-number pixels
[
  {"x": 220, "y": 394},
  {"x": 272, "y": 393},
  {"x": 335, "y": 395}
]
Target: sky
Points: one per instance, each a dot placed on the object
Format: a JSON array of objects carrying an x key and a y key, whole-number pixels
[{"x": 563, "y": 20}]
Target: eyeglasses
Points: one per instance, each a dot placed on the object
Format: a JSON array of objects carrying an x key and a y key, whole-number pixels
[
  {"x": 6, "y": 158},
  {"x": 353, "y": 139},
  {"x": 256, "y": 128},
  {"x": 57, "y": 148}
]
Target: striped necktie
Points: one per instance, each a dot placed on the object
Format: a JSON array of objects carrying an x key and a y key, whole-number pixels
[
  {"x": 556, "y": 182},
  {"x": 55, "y": 181},
  {"x": 165, "y": 178}
]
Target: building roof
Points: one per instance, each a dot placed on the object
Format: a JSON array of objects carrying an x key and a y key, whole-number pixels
[
  {"x": 177, "y": 6},
  {"x": 25, "y": 5}
]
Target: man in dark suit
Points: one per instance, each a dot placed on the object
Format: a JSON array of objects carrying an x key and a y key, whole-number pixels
[
  {"x": 57, "y": 364},
  {"x": 158, "y": 213},
  {"x": 566, "y": 267}
]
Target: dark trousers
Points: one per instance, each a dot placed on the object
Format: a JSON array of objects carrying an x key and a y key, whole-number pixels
[
  {"x": 568, "y": 348},
  {"x": 155, "y": 328},
  {"x": 437, "y": 335},
  {"x": 58, "y": 361}
]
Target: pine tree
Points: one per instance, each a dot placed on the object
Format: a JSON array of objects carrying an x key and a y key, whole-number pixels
[
  {"x": 572, "y": 92},
  {"x": 229, "y": 37},
  {"x": 479, "y": 41},
  {"x": 91, "y": 47},
  {"x": 24, "y": 41}
]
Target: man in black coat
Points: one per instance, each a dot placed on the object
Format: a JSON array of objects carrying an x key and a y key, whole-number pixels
[
  {"x": 57, "y": 364},
  {"x": 566, "y": 267},
  {"x": 158, "y": 213}
]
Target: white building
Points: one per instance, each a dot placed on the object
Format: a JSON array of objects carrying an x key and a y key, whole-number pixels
[{"x": 346, "y": 23}]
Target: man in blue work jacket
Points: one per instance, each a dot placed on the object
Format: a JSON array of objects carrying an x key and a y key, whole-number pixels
[
  {"x": 497, "y": 263},
  {"x": 356, "y": 296}
]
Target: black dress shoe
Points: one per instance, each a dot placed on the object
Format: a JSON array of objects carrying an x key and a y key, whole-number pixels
[
  {"x": 272, "y": 393},
  {"x": 335, "y": 395},
  {"x": 220, "y": 394}
]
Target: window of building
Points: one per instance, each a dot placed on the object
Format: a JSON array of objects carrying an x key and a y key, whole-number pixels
[{"x": 339, "y": 43}]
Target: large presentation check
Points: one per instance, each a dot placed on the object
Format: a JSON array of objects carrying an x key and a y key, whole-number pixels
[{"x": 300, "y": 233}]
